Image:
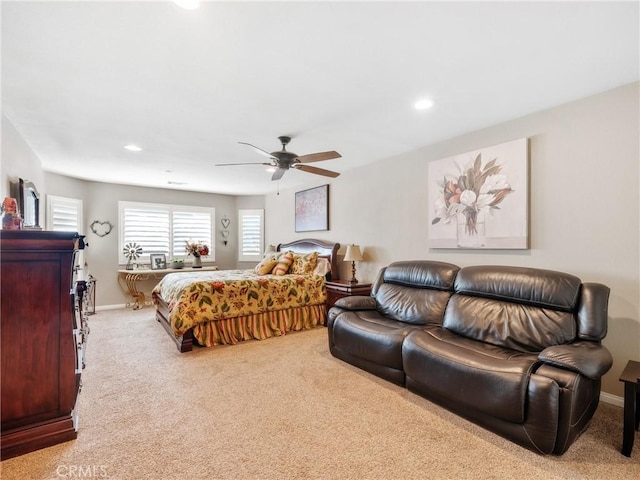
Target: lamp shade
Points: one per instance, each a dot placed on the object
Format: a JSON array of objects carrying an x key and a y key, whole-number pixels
[{"x": 353, "y": 254}]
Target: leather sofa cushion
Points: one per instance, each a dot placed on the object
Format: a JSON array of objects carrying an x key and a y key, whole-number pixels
[
  {"x": 532, "y": 286},
  {"x": 510, "y": 325},
  {"x": 421, "y": 274},
  {"x": 412, "y": 305},
  {"x": 368, "y": 335},
  {"x": 477, "y": 376},
  {"x": 415, "y": 292},
  {"x": 592, "y": 311}
]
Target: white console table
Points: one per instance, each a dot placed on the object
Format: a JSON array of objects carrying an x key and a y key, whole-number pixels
[{"x": 132, "y": 277}]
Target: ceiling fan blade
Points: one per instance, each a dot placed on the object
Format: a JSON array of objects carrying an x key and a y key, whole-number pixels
[
  {"x": 277, "y": 175},
  {"x": 317, "y": 157},
  {"x": 316, "y": 170},
  {"x": 242, "y": 163},
  {"x": 259, "y": 150}
]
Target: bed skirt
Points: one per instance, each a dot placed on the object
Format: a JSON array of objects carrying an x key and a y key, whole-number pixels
[
  {"x": 233, "y": 330},
  {"x": 259, "y": 326}
]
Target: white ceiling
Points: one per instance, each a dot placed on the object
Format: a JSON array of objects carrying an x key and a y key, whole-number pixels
[{"x": 82, "y": 79}]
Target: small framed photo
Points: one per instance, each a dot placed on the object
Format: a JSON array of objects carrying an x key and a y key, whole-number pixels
[{"x": 158, "y": 261}]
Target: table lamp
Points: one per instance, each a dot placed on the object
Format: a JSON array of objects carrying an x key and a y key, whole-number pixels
[{"x": 353, "y": 255}]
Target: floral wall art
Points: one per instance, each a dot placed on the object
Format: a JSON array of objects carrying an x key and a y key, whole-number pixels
[
  {"x": 312, "y": 209},
  {"x": 479, "y": 199}
]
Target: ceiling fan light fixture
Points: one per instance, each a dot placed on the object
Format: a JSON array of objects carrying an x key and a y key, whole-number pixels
[
  {"x": 283, "y": 160},
  {"x": 423, "y": 104},
  {"x": 133, "y": 148}
]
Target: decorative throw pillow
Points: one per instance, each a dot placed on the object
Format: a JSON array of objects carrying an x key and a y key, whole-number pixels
[
  {"x": 284, "y": 263},
  {"x": 267, "y": 264},
  {"x": 304, "y": 264}
]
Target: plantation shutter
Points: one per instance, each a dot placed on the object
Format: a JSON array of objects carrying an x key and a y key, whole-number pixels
[
  {"x": 251, "y": 235},
  {"x": 64, "y": 214},
  {"x": 190, "y": 225},
  {"x": 164, "y": 229},
  {"x": 147, "y": 226}
]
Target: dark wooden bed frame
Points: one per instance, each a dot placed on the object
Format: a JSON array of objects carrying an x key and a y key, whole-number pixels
[{"x": 325, "y": 249}]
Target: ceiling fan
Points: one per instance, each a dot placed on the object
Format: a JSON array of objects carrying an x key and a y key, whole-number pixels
[{"x": 283, "y": 160}]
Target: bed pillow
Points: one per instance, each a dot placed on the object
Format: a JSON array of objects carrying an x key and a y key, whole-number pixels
[
  {"x": 284, "y": 263},
  {"x": 303, "y": 264},
  {"x": 322, "y": 267},
  {"x": 266, "y": 265}
]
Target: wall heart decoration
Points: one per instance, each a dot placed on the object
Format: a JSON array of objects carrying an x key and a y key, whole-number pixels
[
  {"x": 102, "y": 229},
  {"x": 225, "y": 223}
]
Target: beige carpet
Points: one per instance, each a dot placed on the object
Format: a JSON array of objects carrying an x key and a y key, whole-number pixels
[{"x": 282, "y": 408}]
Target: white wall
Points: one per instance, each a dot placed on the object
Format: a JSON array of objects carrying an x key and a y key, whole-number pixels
[
  {"x": 18, "y": 161},
  {"x": 584, "y": 206}
]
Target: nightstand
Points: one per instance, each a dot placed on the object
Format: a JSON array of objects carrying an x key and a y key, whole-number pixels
[
  {"x": 631, "y": 378},
  {"x": 336, "y": 290}
]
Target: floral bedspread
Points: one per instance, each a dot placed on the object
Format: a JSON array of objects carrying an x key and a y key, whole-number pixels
[{"x": 199, "y": 297}]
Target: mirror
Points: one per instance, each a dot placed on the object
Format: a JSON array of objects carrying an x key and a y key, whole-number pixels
[{"x": 28, "y": 199}]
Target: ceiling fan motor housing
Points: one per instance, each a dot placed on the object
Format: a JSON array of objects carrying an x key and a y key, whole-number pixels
[{"x": 285, "y": 159}]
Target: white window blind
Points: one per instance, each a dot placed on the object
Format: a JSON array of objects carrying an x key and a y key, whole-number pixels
[
  {"x": 190, "y": 225},
  {"x": 251, "y": 235},
  {"x": 159, "y": 228},
  {"x": 64, "y": 214},
  {"x": 148, "y": 226}
]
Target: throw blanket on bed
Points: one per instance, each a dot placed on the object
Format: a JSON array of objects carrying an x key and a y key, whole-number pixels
[{"x": 201, "y": 297}]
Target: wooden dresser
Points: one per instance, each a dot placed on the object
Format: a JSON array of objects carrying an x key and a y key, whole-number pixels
[{"x": 43, "y": 332}]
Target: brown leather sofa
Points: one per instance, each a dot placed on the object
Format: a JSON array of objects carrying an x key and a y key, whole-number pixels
[{"x": 516, "y": 350}]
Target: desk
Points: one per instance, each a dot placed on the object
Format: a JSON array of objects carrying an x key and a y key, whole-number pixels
[
  {"x": 631, "y": 378},
  {"x": 131, "y": 278}
]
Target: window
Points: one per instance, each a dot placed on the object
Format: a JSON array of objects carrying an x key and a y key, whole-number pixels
[
  {"x": 64, "y": 214},
  {"x": 159, "y": 228},
  {"x": 251, "y": 235}
]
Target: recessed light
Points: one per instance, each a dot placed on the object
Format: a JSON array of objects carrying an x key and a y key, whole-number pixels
[
  {"x": 133, "y": 148},
  {"x": 423, "y": 104}
]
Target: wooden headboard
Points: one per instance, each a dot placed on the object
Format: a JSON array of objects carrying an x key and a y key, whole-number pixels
[{"x": 325, "y": 249}]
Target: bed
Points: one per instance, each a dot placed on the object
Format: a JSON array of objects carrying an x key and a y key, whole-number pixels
[{"x": 228, "y": 306}]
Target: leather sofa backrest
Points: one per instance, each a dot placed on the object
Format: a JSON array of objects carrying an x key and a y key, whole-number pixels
[
  {"x": 415, "y": 292},
  {"x": 525, "y": 309}
]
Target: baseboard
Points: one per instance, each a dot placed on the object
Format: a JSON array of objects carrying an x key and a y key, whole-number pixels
[{"x": 611, "y": 399}]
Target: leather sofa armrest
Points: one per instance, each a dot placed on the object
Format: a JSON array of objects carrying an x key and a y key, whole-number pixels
[
  {"x": 588, "y": 358},
  {"x": 356, "y": 302}
]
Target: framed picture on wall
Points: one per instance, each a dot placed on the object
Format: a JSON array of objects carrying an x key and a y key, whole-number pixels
[
  {"x": 312, "y": 209},
  {"x": 158, "y": 261},
  {"x": 480, "y": 199}
]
